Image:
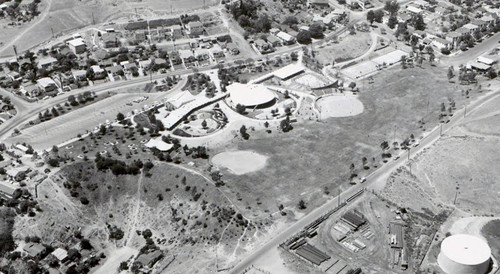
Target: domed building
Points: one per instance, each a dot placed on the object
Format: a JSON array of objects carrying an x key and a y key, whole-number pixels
[
  {"x": 464, "y": 254},
  {"x": 251, "y": 95}
]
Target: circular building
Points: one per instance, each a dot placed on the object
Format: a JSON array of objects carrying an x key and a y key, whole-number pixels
[
  {"x": 464, "y": 254},
  {"x": 251, "y": 95}
]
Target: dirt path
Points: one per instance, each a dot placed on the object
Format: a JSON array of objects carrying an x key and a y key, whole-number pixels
[{"x": 135, "y": 216}]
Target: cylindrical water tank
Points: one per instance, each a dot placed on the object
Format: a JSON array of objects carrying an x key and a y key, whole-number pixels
[{"x": 464, "y": 254}]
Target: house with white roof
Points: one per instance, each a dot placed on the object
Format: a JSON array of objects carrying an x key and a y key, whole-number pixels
[
  {"x": 285, "y": 37},
  {"x": 46, "y": 84},
  {"x": 77, "y": 45},
  {"x": 99, "y": 73}
]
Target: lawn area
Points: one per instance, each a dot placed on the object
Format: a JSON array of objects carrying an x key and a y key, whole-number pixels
[{"x": 317, "y": 155}]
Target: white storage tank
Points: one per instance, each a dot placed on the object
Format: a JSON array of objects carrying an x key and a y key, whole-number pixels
[{"x": 464, "y": 254}]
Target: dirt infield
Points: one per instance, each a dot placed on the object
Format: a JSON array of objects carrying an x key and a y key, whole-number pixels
[
  {"x": 240, "y": 162},
  {"x": 339, "y": 106}
]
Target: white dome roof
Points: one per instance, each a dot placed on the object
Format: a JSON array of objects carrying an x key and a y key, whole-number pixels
[
  {"x": 250, "y": 94},
  {"x": 466, "y": 249}
]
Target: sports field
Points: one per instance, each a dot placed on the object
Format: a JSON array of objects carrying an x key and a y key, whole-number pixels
[
  {"x": 339, "y": 106},
  {"x": 240, "y": 162}
]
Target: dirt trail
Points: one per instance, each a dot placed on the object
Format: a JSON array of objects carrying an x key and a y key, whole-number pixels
[{"x": 131, "y": 230}]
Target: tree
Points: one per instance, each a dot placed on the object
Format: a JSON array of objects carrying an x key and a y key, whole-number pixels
[
  {"x": 302, "y": 205},
  {"x": 241, "y": 109},
  {"x": 384, "y": 145},
  {"x": 204, "y": 124},
  {"x": 120, "y": 117},
  {"x": 418, "y": 22},
  {"x": 304, "y": 37},
  {"x": 370, "y": 16},
  {"x": 392, "y": 22},
  {"x": 391, "y": 6},
  {"x": 451, "y": 73},
  {"x": 316, "y": 30},
  {"x": 290, "y": 21},
  {"x": 379, "y": 16},
  {"x": 352, "y": 85},
  {"x": 244, "y": 133},
  {"x": 285, "y": 125}
]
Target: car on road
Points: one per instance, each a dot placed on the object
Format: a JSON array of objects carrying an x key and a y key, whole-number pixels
[
  {"x": 362, "y": 180},
  {"x": 397, "y": 158}
]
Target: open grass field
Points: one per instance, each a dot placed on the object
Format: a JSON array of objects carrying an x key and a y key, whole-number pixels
[{"x": 316, "y": 155}]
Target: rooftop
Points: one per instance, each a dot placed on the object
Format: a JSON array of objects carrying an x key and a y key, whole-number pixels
[{"x": 250, "y": 94}]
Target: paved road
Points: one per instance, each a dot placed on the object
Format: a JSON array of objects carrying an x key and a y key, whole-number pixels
[
  {"x": 474, "y": 52},
  {"x": 375, "y": 180}
]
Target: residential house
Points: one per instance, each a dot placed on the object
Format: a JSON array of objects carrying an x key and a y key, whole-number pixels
[
  {"x": 140, "y": 36},
  {"x": 77, "y": 46},
  {"x": 47, "y": 63},
  {"x": 202, "y": 55},
  {"x": 9, "y": 190},
  {"x": 403, "y": 17},
  {"x": 149, "y": 259},
  {"x": 478, "y": 66},
  {"x": 454, "y": 38},
  {"x": 273, "y": 31},
  {"x": 60, "y": 254},
  {"x": 175, "y": 58},
  {"x": 441, "y": 43},
  {"x": 99, "y": 73},
  {"x": 463, "y": 31},
  {"x": 115, "y": 70},
  {"x": 34, "y": 250},
  {"x": 480, "y": 23},
  {"x": 110, "y": 40},
  {"x": 441, "y": 11},
  {"x": 80, "y": 75},
  {"x": 318, "y": 3},
  {"x": 273, "y": 40},
  {"x": 414, "y": 10},
  {"x": 130, "y": 67},
  {"x": 216, "y": 52},
  {"x": 485, "y": 60},
  {"x": 488, "y": 19},
  {"x": 145, "y": 64},
  {"x": 286, "y": 38},
  {"x": 195, "y": 27},
  {"x": 232, "y": 49},
  {"x": 31, "y": 91},
  {"x": 47, "y": 85},
  {"x": 187, "y": 56},
  {"x": 470, "y": 27},
  {"x": 176, "y": 31},
  {"x": 262, "y": 46}
]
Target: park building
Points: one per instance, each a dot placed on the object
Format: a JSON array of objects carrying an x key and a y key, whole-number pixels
[{"x": 251, "y": 95}]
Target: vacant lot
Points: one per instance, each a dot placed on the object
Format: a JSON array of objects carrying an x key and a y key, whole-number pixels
[
  {"x": 459, "y": 168},
  {"x": 348, "y": 47}
]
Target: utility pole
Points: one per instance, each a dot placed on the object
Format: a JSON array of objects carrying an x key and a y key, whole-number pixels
[
  {"x": 409, "y": 154},
  {"x": 93, "y": 19},
  {"x": 456, "y": 194},
  {"x": 339, "y": 198},
  {"x": 395, "y": 126},
  {"x": 465, "y": 111},
  {"x": 441, "y": 130},
  {"x": 15, "y": 52},
  {"x": 52, "y": 30}
]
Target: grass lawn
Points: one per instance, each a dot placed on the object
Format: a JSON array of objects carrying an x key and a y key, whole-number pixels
[{"x": 317, "y": 155}]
